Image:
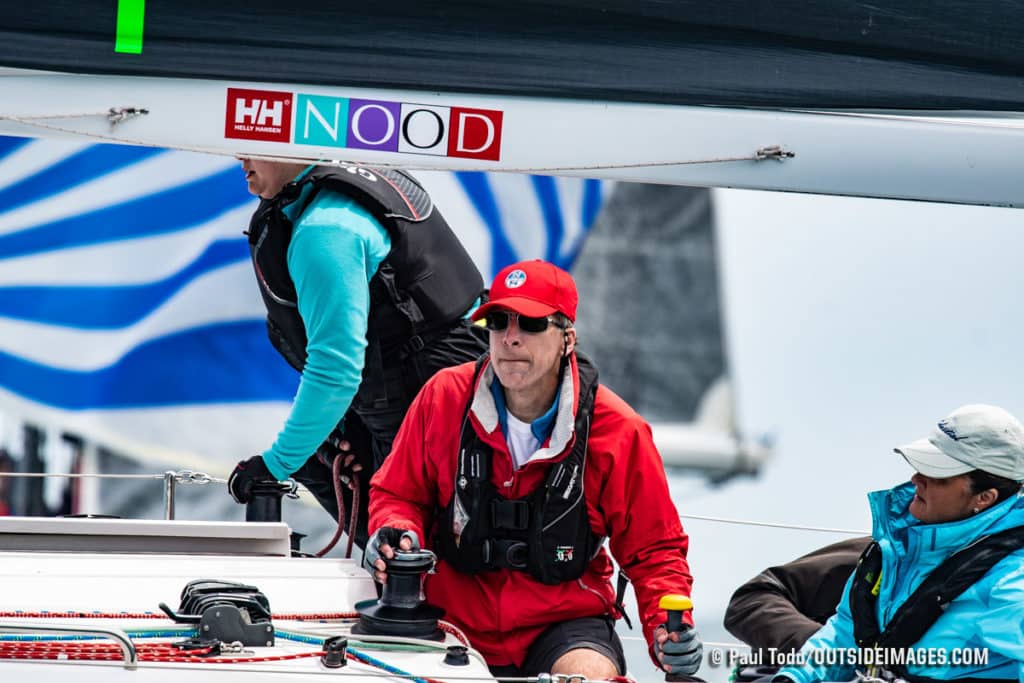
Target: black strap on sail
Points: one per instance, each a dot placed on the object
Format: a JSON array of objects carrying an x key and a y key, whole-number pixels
[{"x": 927, "y": 603}]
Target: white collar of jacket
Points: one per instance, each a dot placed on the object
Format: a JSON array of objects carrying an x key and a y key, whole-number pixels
[{"x": 485, "y": 410}]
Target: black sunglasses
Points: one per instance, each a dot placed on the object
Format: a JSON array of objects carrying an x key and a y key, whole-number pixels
[{"x": 496, "y": 321}]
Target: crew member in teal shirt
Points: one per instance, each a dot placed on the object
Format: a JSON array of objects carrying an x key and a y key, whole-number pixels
[{"x": 365, "y": 337}]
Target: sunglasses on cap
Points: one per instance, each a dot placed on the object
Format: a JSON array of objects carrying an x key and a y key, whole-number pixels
[{"x": 496, "y": 321}]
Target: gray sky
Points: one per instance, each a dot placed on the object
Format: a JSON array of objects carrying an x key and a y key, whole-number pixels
[{"x": 853, "y": 325}]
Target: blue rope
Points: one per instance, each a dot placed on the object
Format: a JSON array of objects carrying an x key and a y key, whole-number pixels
[
  {"x": 358, "y": 654},
  {"x": 373, "y": 661},
  {"x": 169, "y": 633},
  {"x": 299, "y": 638},
  {"x": 29, "y": 638}
]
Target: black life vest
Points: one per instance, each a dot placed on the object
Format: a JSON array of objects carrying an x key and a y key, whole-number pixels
[
  {"x": 426, "y": 283},
  {"x": 546, "y": 533},
  {"x": 927, "y": 603}
]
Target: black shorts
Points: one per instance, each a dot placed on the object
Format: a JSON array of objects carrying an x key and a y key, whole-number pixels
[{"x": 588, "y": 633}]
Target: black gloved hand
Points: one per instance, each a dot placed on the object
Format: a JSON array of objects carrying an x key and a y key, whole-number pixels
[
  {"x": 390, "y": 536},
  {"x": 337, "y": 446},
  {"x": 682, "y": 656},
  {"x": 246, "y": 474}
]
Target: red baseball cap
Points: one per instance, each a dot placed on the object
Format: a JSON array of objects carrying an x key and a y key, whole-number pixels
[{"x": 534, "y": 289}]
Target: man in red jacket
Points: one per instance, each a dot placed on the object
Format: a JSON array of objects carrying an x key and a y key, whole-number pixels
[{"x": 515, "y": 469}]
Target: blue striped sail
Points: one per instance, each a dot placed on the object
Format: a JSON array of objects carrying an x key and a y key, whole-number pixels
[{"x": 128, "y": 308}]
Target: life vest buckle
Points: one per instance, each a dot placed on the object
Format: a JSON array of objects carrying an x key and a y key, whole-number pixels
[
  {"x": 511, "y": 515},
  {"x": 505, "y": 554}
]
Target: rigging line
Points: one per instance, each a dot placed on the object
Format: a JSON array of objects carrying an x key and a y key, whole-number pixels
[
  {"x": 180, "y": 478},
  {"x": 768, "y": 152},
  {"x": 31, "y": 121},
  {"x": 707, "y": 643},
  {"x": 334, "y": 674},
  {"x": 112, "y": 112},
  {"x": 775, "y": 525},
  {"x": 190, "y": 477},
  {"x": 70, "y": 475}
]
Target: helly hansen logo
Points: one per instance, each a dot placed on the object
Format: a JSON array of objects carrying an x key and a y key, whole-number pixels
[{"x": 258, "y": 115}]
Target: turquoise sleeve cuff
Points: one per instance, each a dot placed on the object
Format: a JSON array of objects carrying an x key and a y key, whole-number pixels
[{"x": 275, "y": 467}]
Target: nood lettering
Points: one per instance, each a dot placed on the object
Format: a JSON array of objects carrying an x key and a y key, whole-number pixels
[
  {"x": 477, "y": 134},
  {"x": 379, "y": 125}
]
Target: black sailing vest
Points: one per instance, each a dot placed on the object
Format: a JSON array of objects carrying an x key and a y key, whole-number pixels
[
  {"x": 545, "y": 533},
  {"x": 426, "y": 283},
  {"x": 927, "y": 603}
]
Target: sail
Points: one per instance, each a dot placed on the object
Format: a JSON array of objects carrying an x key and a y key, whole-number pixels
[
  {"x": 128, "y": 309},
  {"x": 129, "y": 315},
  {"x": 651, "y": 316},
  {"x": 891, "y": 54}
]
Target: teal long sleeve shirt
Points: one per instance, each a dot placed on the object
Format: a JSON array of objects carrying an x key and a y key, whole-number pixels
[{"x": 335, "y": 250}]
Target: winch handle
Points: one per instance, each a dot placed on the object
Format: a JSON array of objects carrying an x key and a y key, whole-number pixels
[{"x": 675, "y": 605}]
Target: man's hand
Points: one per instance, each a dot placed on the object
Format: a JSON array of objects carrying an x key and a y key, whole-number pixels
[
  {"x": 382, "y": 545},
  {"x": 246, "y": 474},
  {"x": 338, "y": 447},
  {"x": 679, "y": 652}
]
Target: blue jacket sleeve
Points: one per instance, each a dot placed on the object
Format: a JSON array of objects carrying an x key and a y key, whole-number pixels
[
  {"x": 999, "y": 627},
  {"x": 830, "y": 654},
  {"x": 335, "y": 250}
]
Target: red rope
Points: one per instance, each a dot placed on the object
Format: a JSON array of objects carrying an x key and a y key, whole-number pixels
[
  {"x": 70, "y": 614},
  {"x": 166, "y": 652},
  {"x": 336, "y": 478},
  {"x": 154, "y": 652},
  {"x": 454, "y": 630},
  {"x": 326, "y": 616},
  {"x": 353, "y": 514},
  {"x": 240, "y": 660},
  {"x": 147, "y": 651},
  {"x": 44, "y": 614}
]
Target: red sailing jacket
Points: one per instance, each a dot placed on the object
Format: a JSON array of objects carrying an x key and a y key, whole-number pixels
[{"x": 627, "y": 497}]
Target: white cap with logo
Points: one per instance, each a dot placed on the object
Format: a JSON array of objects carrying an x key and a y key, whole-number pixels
[{"x": 972, "y": 437}]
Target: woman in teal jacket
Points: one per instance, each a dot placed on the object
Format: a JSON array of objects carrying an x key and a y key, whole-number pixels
[{"x": 967, "y": 487}]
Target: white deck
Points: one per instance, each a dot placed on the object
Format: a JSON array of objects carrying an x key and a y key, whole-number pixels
[{"x": 126, "y": 581}]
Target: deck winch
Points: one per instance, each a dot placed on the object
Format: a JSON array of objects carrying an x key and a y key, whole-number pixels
[
  {"x": 401, "y": 611},
  {"x": 265, "y": 501},
  {"x": 225, "y": 611}
]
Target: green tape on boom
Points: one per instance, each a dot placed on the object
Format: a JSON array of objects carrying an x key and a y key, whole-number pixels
[{"x": 130, "y": 17}]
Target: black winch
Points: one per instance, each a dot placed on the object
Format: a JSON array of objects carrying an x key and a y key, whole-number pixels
[
  {"x": 265, "y": 500},
  {"x": 225, "y": 612},
  {"x": 400, "y": 611}
]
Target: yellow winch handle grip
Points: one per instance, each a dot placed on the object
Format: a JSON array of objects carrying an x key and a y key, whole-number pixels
[
  {"x": 676, "y": 602},
  {"x": 675, "y": 605}
]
